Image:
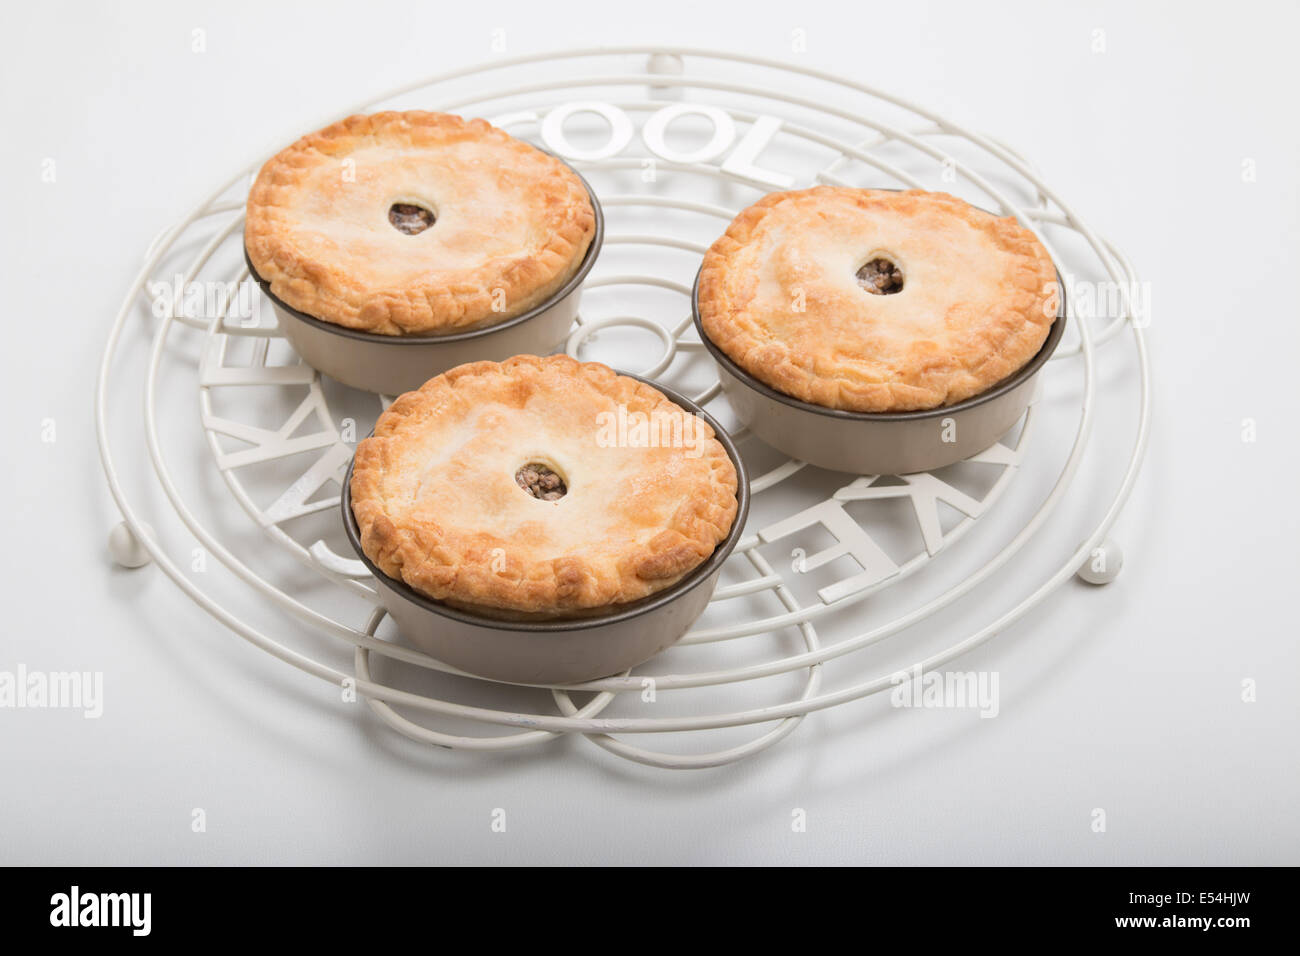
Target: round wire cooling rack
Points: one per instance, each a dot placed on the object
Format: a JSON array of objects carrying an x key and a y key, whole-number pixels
[{"x": 716, "y": 131}]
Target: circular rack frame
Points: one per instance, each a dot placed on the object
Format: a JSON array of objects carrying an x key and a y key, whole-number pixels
[{"x": 664, "y": 73}]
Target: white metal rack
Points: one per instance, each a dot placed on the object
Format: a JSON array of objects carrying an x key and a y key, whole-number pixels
[{"x": 826, "y": 130}]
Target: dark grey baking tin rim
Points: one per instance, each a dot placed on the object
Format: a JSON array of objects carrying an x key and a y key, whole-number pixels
[
  {"x": 576, "y": 280},
  {"x": 568, "y": 625},
  {"x": 1015, "y": 379}
]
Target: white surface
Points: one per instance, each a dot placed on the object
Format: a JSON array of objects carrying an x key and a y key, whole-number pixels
[{"x": 1126, "y": 698}]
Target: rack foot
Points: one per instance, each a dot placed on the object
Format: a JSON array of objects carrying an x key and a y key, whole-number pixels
[
  {"x": 665, "y": 64},
  {"x": 1103, "y": 565},
  {"x": 125, "y": 548}
]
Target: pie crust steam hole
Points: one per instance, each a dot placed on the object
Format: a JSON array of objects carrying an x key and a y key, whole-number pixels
[
  {"x": 541, "y": 481},
  {"x": 880, "y": 276},
  {"x": 409, "y": 218}
]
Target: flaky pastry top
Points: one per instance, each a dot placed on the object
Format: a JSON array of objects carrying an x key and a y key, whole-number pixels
[
  {"x": 510, "y": 224},
  {"x": 779, "y": 294},
  {"x": 436, "y": 499}
]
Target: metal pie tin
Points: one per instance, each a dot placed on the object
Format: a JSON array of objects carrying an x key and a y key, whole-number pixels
[
  {"x": 393, "y": 364},
  {"x": 886, "y": 443},
  {"x": 564, "y": 651}
]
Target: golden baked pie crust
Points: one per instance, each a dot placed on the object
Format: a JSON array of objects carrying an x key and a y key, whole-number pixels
[
  {"x": 437, "y": 505},
  {"x": 778, "y": 294},
  {"x": 513, "y": 224}
]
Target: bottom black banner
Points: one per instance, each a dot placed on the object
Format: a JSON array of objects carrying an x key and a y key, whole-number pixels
[{"x": 1170, "y": 906}]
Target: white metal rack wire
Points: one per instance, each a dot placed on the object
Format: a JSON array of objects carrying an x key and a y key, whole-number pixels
[{"x": 823, "y": 129}]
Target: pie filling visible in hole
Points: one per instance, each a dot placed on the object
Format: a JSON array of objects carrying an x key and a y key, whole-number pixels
[
  {"x": 881, "y": 277},
  {"x": 409, "y": 218},
  {"x": 541, "y": 481}
]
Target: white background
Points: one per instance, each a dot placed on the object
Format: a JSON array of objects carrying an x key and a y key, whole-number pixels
[{"x": 1126, "y": 699}]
